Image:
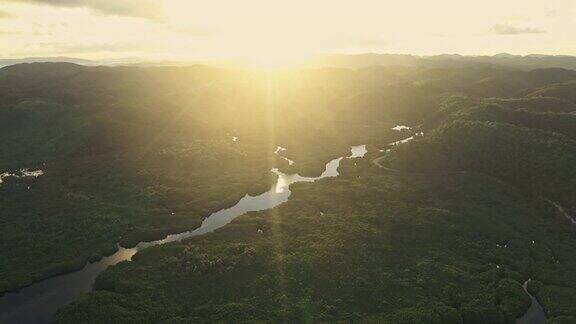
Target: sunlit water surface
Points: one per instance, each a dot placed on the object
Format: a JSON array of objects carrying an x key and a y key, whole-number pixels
[
  {"x": 401, "y": 127},
  {"x": 39, "y": 302},
  {"x": 22, "y": 173},
  {"x": 280, "y": 149}
]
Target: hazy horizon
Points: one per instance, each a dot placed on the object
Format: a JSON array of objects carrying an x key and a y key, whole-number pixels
[
  {"x": 266, "y": 161},
  {"x": 272, "y": 34}
]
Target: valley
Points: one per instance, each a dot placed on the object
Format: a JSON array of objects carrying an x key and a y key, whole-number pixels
[{"x": 200, "y": 194}]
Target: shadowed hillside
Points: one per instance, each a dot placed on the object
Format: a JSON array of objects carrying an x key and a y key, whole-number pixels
[{"x": 132, "y": 154}]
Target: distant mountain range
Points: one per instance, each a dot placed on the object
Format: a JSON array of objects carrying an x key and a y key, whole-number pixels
[
  {"x": 356, "y": 61},
  {"x": 132, "y": 61},
  {"x": 6, "y": 62},
  {"x": 527, "y": 62}
]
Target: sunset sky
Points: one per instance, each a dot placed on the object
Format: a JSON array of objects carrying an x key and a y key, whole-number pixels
[{"x": 270, "y": 32}]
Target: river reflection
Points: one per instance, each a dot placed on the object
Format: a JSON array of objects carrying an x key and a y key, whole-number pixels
[
  {"x": 38, "y": 303},
  {"x": 22, "y": 173}
]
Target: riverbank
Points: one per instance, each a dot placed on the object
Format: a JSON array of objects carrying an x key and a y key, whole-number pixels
[
  {"x": 446, "y": 249},
  {"x": 30, "y": 305}
]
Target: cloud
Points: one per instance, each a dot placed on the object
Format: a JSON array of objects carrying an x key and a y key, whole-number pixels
[
  {"x": 133, "y": 8},
  {"x": 192, "y": 31},
  {"x": 64, "y": 48},
  {"x": 371, "y": 42},
  {"x": 505, "y": 29},
  {"x": 4, "y": 14},
  {"x": 362, "y": 41}
]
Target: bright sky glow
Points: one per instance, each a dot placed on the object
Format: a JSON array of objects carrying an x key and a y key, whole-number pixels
[{"x": 273, "y": 32}]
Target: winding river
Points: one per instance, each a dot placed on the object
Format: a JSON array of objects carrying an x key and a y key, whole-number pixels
[
  {"x": 535, "y": 314},
  {"x": 39, "y": 302}
]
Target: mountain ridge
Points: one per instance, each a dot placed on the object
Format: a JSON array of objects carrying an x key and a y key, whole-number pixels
[{"x": 354, "y": 61}]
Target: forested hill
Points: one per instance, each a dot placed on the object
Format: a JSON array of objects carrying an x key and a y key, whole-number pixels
[
  {"x": 447, "y": 232},
  {"x": 531, "y": 148},
  {"x": 131, "y": 154},
  {"x": 528, "y": 143}
]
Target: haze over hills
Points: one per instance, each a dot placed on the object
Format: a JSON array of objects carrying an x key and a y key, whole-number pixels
[
  {"x": 444, "y": 226},
  {"x": 351, "y": 61},
  {"x": 7, "y": 62},
  {"x": 257, "y": 161},
  {"x": 526, "y": 62}
]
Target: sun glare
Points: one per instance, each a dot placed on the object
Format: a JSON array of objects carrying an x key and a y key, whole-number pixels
[
  {"x": 271, "y": 53},
  {"x": 274, "y": 62}
]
